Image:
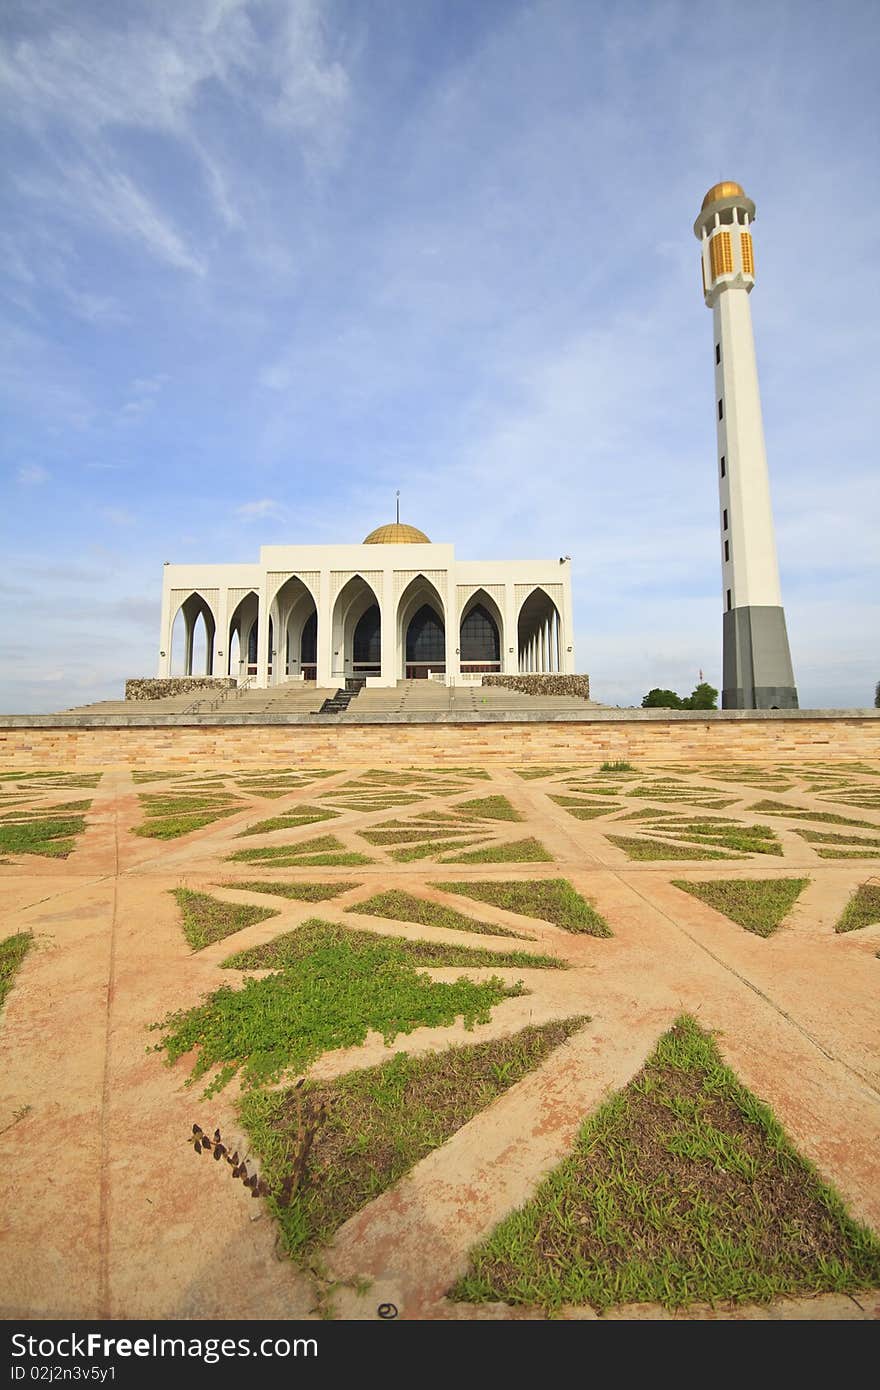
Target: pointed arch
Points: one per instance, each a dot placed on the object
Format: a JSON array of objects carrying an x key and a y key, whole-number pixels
[
  {"x": 421, "y": 629},
  {"x": 480, "y": 634},
  {"x": 194, "y": 609},
  {"x": 292, "y": 610},
  {"x": 356, "y": 614},
  {"x": 242, "y": 622},
  {"x": 539, "y": 633}
]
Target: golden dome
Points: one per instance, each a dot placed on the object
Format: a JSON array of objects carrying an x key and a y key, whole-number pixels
[
  {"x": 722, "y": 190},
  {"x": 397, "y": 534}
]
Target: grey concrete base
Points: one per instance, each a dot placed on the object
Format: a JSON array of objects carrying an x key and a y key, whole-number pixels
[{"x": 757, "y": 660}]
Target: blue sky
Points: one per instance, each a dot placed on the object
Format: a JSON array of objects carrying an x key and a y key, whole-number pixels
[{"x": 266, "y": 261}]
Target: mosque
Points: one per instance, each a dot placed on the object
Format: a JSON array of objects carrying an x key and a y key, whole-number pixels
[{"x": 398, "y": 606}]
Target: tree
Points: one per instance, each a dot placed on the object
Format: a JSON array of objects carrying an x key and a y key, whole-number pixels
[
  {"x": 704, "y": 696},
  {"x": 662, "y": 699}
]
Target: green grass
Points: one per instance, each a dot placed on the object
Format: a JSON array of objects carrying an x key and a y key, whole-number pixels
[
  {"x": 779, "y": 808},
  {"x": 747, "y": 839},
  {"x": 205, "y": 919},
  {"x": 300, "y": 892},
  {"x": 292, "y": 947},
  {"x": 682, "y": 1188},
  {"x": 169, "y": 815},
  {"x": 489, "y": 808},
  {"x": 533, "y": 772},
  {"x": 330, "y": 999},
  {"x": 380, "y": 1122},
  {"x": 549, "y": 899},
  {"x": 171, "y": 827},
  {"x": 862, "y": 910},
  {"x": 847, "y": 854},
  {"x": 528, "y": 851},
  {"x": 644, "y": 850},
  {"x": 12, "y": 952},
  {"x": 303, "y": 815},
  {"x": 617, "y": 765},
  {"x": 427, "y": 850},
  {"x": 759, "y": 905},
  {"x": 829, "y": 838},
  {"x": 406, "y": 907},
  {"x": 53, "y": 837},
  {"x": 326, "y": 850},
  {"x": 414, "y": 834}
]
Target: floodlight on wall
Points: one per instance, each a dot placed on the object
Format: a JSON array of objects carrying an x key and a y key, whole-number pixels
[
  {"x": 510, "y": 649},
  {"x": 568, "y": 649},
  {"x": 161, "y": 653}
]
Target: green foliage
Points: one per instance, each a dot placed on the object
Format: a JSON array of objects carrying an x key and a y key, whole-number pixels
[
  {"x": 205, "y": 919},
  {"x": 759, "y": 905},
  {"x": 551, "y": 899},
  {"x": 703, "y": 696},
  {"x": 489, "y": 808},
  {"x": 300, "y": 815},
  {"x": 12, "y": 952},
  {"x": 681, "y": 1188},
  {"x": 380, "y": 1122},
  {"x": 528, "y": 851},
  {"x": 331, "y": 998},
  {"x": 326, "y": 850},
  {"x": 662, "y": 699}
]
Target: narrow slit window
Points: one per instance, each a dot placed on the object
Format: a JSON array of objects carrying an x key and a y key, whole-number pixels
[
  {"x": 720, "y": 410},
  {"x": 717, "y": 353},
  {"x": 723, "y": 465},
  {"x": 729, "y": 604},
  {"x": 727, "y": 552},
  {"x": 724, "y": 515}
]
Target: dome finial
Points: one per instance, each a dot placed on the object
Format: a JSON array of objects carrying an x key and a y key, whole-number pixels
[{"x": 397, "y": 494}]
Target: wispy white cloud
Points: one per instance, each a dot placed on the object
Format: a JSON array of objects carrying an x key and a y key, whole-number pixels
[
  {"x": 32, "y": 474},
  {"x": 257, "y": 510}
]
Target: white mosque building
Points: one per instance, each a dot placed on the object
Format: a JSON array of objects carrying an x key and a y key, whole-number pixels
[{"x": 396, "y": 607}]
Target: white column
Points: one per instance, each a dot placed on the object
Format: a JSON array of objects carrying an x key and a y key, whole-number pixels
[
  {"x": 390, "y": 662},
  {"x": 325, "y": 632},
  {"x": 165, "y": 627},
  {"x": 262, "y": 679}
]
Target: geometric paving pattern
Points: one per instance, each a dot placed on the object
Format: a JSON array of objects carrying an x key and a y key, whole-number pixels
[{"x": 792, "y": 1011}]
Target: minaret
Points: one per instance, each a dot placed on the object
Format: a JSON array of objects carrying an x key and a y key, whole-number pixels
[{"x": 757, "y": 661}]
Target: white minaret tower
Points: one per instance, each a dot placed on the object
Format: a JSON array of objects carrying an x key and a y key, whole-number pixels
[{"x": 757, "y": 662}]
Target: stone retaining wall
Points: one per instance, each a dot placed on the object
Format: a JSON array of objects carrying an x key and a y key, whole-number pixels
[
  {"x": 205, "y": 741},
  {"x": 150, "y": 688},
  {"x": 543, "y": 685}
]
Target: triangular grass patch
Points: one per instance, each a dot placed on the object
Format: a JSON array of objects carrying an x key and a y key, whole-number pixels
[
  {"x": 759, "y": 905},
  {"x": 377, "y": 1124},
  {"x": 51, "y": 837},
  {"x": 300, "y": 892},
  {"x": 406, "y": 907},
  {"x": 300, "y": 815},
  {"x": 205, "y": 919},
  {"x": 528, "y": 851},
  {"x": 287, "y": 950},
  {"x": 325, "y": 850},
  {"x": 681, "y": 1188},
  {"x": 779, "y": 808},
  {"x": 550, "y": 899},
  {"x": 429, "y": 849},
  {"x": 12, "y": 952},
  {"x": 649, "y": 850},
  {"x": 331, "y": 998},
  {"x": 489, "y": 808},
  {"x": 862, "y": 910}
]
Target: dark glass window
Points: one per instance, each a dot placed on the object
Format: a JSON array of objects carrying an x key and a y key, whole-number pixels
[
  {"x": 717, "y": 353},
  {"x": 724, "y": 519},
  {"x": 479, "y": 636},
  {"x": 368, "y": 637},
  {"x": 723, "y": 465},
  {"x": 729, "y": 604},
  {"x": 308, "y": 644},
  {"x": 252, "y": 645},
  {"x": 727, "y": 550},
  {"x": 426, "y": 637},
  {"x": 720, "y": 410}
]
